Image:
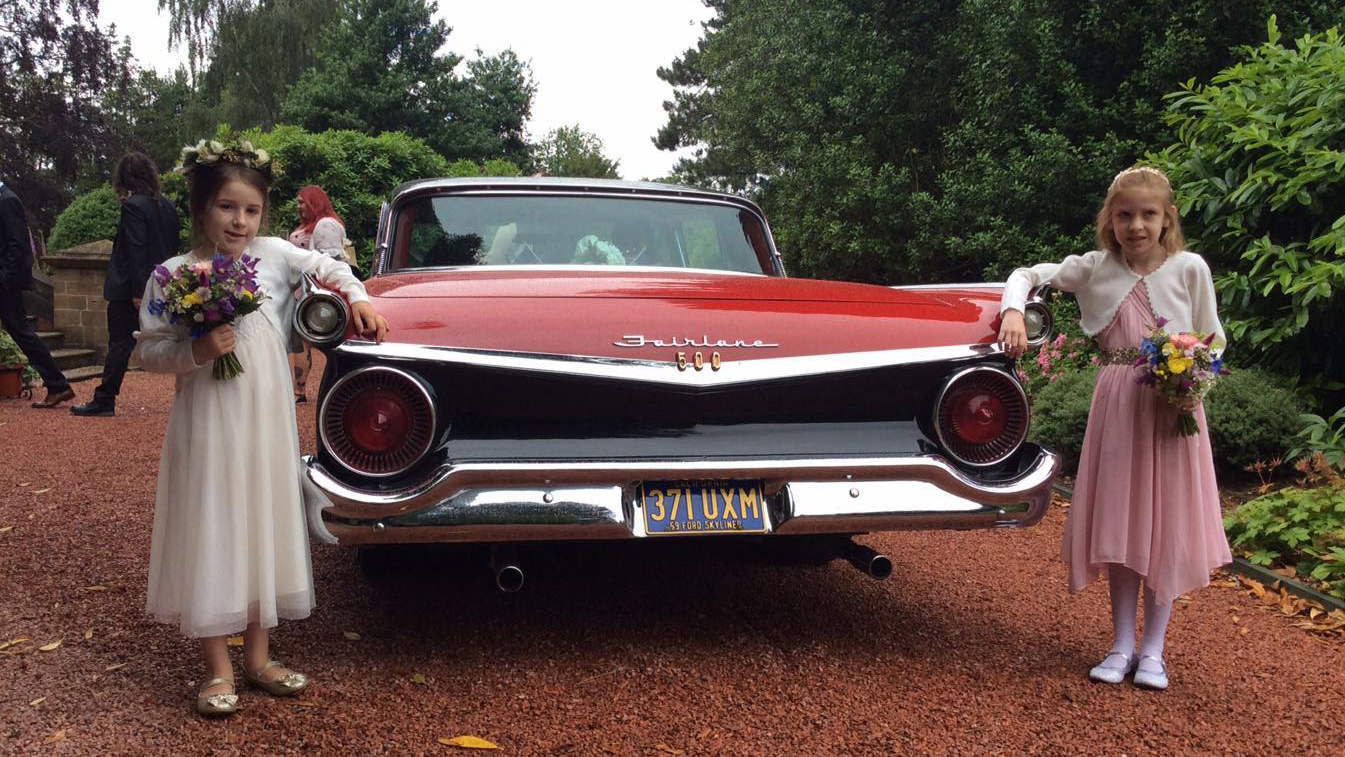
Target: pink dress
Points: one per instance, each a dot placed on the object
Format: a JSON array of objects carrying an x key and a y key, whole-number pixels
[{"x": 1145, "y": 497}]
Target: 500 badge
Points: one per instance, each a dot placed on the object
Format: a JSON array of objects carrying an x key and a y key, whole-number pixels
[{"x": 697, "y": 361}]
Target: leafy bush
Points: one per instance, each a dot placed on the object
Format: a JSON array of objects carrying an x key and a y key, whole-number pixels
[
  {"x": 1060, "y": 413},
  {"x": 1062, "y": 355},
  {"x": 1259, "y": 173},
  {"x": 10, "y": 354},
  {"x": 88, "y": 218},
  {"x": 1252, "y": 416},
  {"x": 1298, "y": 526},
  {"x": 1325, "y": 436}
]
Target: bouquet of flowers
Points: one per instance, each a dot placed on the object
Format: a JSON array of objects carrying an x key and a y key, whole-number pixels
[
  {"x": 1182, "y": 368},
  {"x": 208, "y": 294}
]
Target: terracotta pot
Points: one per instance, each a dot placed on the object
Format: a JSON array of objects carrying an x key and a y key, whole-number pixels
[{"x": 11, "y": 382}]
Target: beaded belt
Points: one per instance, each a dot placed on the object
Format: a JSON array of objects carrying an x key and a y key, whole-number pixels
[{"x": 1123, "y": 356}]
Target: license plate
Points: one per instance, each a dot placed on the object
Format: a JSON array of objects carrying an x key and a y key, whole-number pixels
[{"x": 703, "y": 507}]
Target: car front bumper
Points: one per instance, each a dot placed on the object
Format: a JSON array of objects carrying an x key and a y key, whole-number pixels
[{"x": 567, "y": 501}]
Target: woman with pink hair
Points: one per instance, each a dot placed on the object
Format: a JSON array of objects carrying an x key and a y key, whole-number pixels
[{"x": 320, "y": 229}]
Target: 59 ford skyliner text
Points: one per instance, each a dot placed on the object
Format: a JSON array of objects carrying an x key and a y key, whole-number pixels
[{"x": 582, "y": 359}]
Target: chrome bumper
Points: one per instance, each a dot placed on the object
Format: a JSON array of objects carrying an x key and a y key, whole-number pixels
[{"x": 505, "y": 502}]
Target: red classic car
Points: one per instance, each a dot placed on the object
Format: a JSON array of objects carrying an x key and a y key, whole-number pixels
[{"x": 584, "y": 359}]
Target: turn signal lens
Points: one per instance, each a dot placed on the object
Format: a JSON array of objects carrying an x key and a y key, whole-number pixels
[
  {"x": 322, "y": 317},
  {"x": 1038, "y": 322}
]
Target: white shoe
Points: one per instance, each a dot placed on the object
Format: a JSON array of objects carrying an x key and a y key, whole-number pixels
[
  {"x": 1152, "y": 679},
  {"x": 1104, "y": 673}
]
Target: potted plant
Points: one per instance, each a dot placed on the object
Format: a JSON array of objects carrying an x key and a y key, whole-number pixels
[{"x": 12, "y": 362}]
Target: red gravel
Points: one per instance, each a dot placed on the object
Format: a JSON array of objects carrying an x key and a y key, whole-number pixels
[{"x": 973, "y": 647}]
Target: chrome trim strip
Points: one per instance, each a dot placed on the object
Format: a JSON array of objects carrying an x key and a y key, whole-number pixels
[
  {"x": 731, "y": 372},
  {"x": 450, "y": 479},
  {"x": 972, "y": 285},
  {"x": 938, "y": 404},
  {"x": 417, "y": 383},
  {"x": 557, "y": 511}
]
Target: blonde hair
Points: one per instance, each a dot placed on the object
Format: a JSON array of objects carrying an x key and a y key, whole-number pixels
[{"x": 1142, "y": 177}]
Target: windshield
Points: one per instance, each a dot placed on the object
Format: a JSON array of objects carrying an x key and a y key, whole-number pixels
[{"x": 503, "y": 230}]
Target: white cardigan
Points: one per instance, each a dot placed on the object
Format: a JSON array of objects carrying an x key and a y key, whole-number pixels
[{"x": 1181, "y": 290}]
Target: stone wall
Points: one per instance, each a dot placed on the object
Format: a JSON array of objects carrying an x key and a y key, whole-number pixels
[{"x": 78, "y": 307}]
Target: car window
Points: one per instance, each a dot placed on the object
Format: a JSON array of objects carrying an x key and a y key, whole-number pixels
[{"x": 510, "y": 230}]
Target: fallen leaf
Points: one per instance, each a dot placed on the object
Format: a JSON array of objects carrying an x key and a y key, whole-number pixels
[
  {"x": 98, "y": 587},
  {"x": 669, "y": 750},
  {"x": 14, "y": 642},
  {"x": 418, "y": 678},
  {"x": 50, "y": 647},
  {"x": 304, "y": 703},
  {"x": 1236, "y": 618},
  {"x": 55, "y": 737},
  {"x": 1314, "y": 612},
  {"x": 1243, "y": 631},
  {"x": 468, "y": 742},
  {"x": 88, "y": 634},
  {"x": 350, "y": 635},
  {"x": 6, "y": 529},
  {"x": 111, "y": 668},
  {"x": 42, "y": 491},
  {"x": 235, "y": 641},
  {"x": 25, "y": 483},
  {"x": 37, "y": 701}
]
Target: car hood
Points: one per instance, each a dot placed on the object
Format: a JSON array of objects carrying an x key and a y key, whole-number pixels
[{"x": 655, "y": 314}]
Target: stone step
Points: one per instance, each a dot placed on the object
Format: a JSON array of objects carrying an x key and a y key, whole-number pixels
[
  {"x": 53, "y": 339},
  {"x": 73, "y": 357},
  {"x": 83, "y": 374}
]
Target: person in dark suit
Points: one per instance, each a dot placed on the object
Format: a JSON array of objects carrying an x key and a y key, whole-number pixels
[
  {"x": 16, "y": 275},
  {"x": 148, "y": 233}
]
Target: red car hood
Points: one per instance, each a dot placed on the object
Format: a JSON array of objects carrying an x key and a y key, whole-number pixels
[{"x": 603, "y": 313}]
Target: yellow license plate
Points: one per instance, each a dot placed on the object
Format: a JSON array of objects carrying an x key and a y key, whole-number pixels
[{"x": 703, "y": 507}]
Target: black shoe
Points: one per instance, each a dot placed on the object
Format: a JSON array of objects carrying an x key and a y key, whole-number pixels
[{"x": 95, "y": 407}]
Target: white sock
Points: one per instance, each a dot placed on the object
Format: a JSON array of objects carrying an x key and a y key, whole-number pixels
[
  {"x": 1123, "y": 584},
  {"x": 1156, "y": 617}
]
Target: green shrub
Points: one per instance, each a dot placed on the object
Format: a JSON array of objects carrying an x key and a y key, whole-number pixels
[
  {"x": 1299, "y": 527},
  {"x": 88, "y": 218},
  {"x": 1060, "y": 413},
  {"x": 1252, "y": 416},
  {"x": 10, "y": 354},
  {"x": 1325, "y": 436}
]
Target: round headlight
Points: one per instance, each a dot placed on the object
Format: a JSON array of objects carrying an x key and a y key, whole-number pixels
[
  {"x": 1038, "y": 321},
  {"x": 322, "y": 317}
]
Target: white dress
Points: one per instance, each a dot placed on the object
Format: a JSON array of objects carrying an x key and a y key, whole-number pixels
[{"x": 230, "y": 546}]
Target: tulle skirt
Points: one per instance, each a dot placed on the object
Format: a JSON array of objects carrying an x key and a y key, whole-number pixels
[{"x": 230, "y": 546}]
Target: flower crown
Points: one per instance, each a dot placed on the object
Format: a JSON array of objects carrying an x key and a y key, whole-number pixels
[
  {"x": 1139, "y": 169},
  {"x": 208, "y": 152}
]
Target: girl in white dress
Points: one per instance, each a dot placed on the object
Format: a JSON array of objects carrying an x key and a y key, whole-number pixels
[{"x": 230, "y": 551}]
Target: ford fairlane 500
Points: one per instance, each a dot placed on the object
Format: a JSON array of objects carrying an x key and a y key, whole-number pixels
[{"x": 575, "y": 360}]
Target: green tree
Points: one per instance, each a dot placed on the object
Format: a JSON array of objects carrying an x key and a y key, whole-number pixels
[
  {"x": 381, "y": 66},
  {"x": 56, "y": 63},
  {"x": 1259, "y": 167},
  {"x": 899, "y": 141},
  {"x": 571, "y": 151}
]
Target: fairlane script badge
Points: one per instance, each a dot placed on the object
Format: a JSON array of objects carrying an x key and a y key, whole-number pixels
[{"x": 638, "y": 340}]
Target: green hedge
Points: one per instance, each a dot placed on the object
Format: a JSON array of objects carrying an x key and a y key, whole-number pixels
[
  {"x": 1252, "y": 415},
  {"x": 90, "y": 217}
]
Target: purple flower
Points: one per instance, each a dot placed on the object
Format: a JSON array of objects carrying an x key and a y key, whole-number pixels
[
  {"x": 1162, "y": 322},
  {"x": 162, "y": 275},
  {"x": 212, "y": 315}
]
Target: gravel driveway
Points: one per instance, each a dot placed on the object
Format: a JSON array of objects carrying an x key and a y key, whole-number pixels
[{"x": 973, "y": 647}]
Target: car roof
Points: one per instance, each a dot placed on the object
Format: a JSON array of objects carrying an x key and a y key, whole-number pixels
[{"x": 545, "y": 184}]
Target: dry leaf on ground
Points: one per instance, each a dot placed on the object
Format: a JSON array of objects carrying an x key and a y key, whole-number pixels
[
  {"x": 468, "y": 742},
  {"x": 6, "y": 529},
  {"x": 98, "y": 587},
  {"x": 55, "y": 737},
  {"x": 350, "y": 635},
  {"x": 37, "y": 701},
  {"x": 669, "y": 750},
  {"x": 42, "y": 491},
  {"x": 50, "y": 647},
  {"x": 88, "y": 634},
  {"x": 118, "y": 666},
  {"x": 418, "y": 678}
]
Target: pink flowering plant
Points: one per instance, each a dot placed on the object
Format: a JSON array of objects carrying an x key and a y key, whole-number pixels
[
  {"x": 1182, "y": 368},
  {"x": 1056, "y": 358},
  {"x": 208, "y": 294}
]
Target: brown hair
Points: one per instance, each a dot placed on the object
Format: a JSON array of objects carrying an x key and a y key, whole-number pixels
[
  {"x": 1142, "y": 177},
  {"x": 136, "y": 174},
  {"x": 205, "y": 182}
]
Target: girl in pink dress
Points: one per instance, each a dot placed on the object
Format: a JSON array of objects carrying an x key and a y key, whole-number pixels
[{"x": 1145, "y": 505}]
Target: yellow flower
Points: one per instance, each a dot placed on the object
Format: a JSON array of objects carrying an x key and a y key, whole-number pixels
[
  {"x": 1178, "y": 364},
  {"x": 1168, "y": 349},
  {"x": 192, "y": 299},
  {"x": 246, "y": 293}
]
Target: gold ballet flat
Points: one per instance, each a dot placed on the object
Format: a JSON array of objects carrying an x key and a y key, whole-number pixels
[
  {"x": 285, "y": 686},
  {"x": 216, "y": 704}
]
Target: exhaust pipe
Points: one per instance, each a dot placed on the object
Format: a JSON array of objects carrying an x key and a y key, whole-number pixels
[
  {"x": 508, "y": 572},
  {"x": 867, "y": 560}
]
